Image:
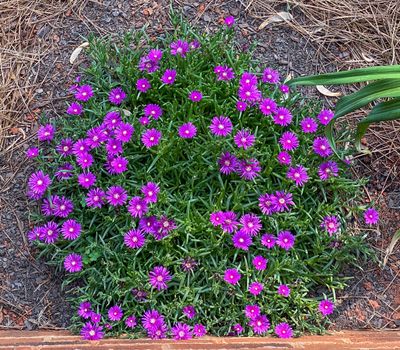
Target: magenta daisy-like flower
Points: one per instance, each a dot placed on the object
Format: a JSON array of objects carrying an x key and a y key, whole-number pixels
[
  {"x": 289, "y": 141},
  {"x": 150, "y": 192},
  {"x": 249, "y": 169},
  {"x": 62, "y": 207},
  {"x": 143, "y": 85},
  {"x": 35, "y": 234},
  {"x": 39, "y": 182},
  {"x": 285, "y": 240},
  {"x": 46, "y": 132},
  {"x": 50, "y": 232},
  {"x": 252, "y": 311},
  {"x": 85, "y": 310},
  {"x": 75, "y": 109},
  {"x": 268, "y": 106},
  {"x": 151, "y": 138},
  {"x": 80, "y": 147},
  {"x": 284, "y": 158},
  {"x": 134, "y": 239},
  {"x": 179, "y": 48},
  {"x": 260, "y": 324},
  {"x": 189, "y": 311},
  {"x": 256, "y": 288},
  {"x": 331, "y": 224},
  {"x": 112, "y": 120},
  {"x": 248, "y": 79},
  {"x": 32, "y": 152},
  {"x": 229, "y": 21},
  {"x": 96, "y": 136},
  {"x": 371, "y": 216},
  {"x": 243, "y": 139},
  {"x": 187, "y": 131},
  {"x": 86, "y": 180},
  {"x": 144, "y": 120},
  {"x": 249, "y": 93},
  {"x": 148, "y": 65},
  {"x": 226, "y": 73},
  {"x": 283, "y": 330},
  {"x": 199, "y": 330},
  {"x": 325, "y": 116},
  {"x": 193, "y": 45},
  {"x": 113, "y": 147},
  {"x": 221, "y": 126},
  {"x": 189, "y": 264},
  {"x": 228, "y": 163},
  {"x": 85, "y": 160},
  {"x": 153, "y": 110},
  {"x": 48, "y": 205},
  {"x": 237, "y": 328},
  {"x": 251, "y": 224},
  {"x": 124, "y": 132},
  {"x": 327, "y": 170},
  {"x": 148, "y": 224},
  {"x": 241, "y": 106},
  {"x": 260, "y": 263},
  {"x": 282, "y": 117},
  {"x": 158, "y": 332},
  {"x": 159, "y": 277},
  {"x": 64, "y": 172},
  {"x": 326, "y": 307},
  {"x": 216, "y": 218},
  {"x": 65, "y": 147},
  {"x": 321, "y": 147},
  {"x": 169, "y": 76},
  {"x": 242, "y": 240},
  {"x": 195, "y": 96},
  {"x": 115, "y": 313},
  {"x": 118, "y": 165},
  {"x": 281, "y": 201},
  {"x": 155, "y": 55},
  {"x": 95, "y": 198},
  {"x": 164, "y": 227},
  {"x": 92, "y": 332},
  {"x": 71, "y": 229},
  {"x": 84, "y": 93},
  {"x": 152, "y": 319},
  {"x": 73, "y": 263},
  {"x": 116, "y": 195},
  {"x": 268, "y": 240},
  {"x": 131, "y": 322},
  {"x": 137, "y": 207},
  {"x": 117, "y": 96},
  {"x": 181, "y": 331},
  {"x": 284, "y": 88},
  {"x": 232, "y": 276},
  {"x": 298, "y": 174},
  {"x": 265, "y": 204},
  {"x": 284, "y": 290},
  {"x": 229, "y": 222},
  {"x": 308, "y": 125},
  {"x": 270, "y": 76},
  {"x": 95, "y": 318}
]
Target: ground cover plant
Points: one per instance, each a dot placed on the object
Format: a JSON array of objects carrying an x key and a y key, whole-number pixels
[{"x": 188, "y": 191}]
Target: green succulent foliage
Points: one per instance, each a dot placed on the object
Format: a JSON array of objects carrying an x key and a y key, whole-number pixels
[{"x": 385, "y": 84}]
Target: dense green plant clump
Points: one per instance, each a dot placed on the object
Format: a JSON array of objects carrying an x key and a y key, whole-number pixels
[{"x": 187, "y": 191}]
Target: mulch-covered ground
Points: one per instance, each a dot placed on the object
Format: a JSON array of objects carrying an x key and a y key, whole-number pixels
[{"x": 36, "y": 42}]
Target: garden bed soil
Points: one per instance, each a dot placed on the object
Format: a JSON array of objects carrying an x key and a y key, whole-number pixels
[{"x": 30, "y": 291}]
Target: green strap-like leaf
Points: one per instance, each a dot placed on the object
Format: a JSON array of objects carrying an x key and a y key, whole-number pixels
[
  {"x": 382, "y": 112},
  {"x": 350, "y": 76}
]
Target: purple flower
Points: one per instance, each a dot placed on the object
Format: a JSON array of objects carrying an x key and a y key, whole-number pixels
[
  {"x": 284, "y": 158},
  {"x": 243, "y": 139},
  {"x": 118, "y": 165},
  {"x": 199, "y": 330},
  {"x": 249, "y": 169},
  {"x": 148, "y": 224},
  {"x": 131, "y": 322},
  {"x": 48, "y": 205},
  {"x": 270, "y": 76},
  {"x": 181, "y": 331},
  {"x": 284, "y": 290},
  {"x": 284, "y": 89},
  {"x": 158, "y": 332},
  {"x": 285, "y": 240},
  {"x": 327, "y": 170},
  {"x": 62, "y": 207},
  {"x": 187, "y": 131},
  {"x": 283, "y": 330},
  {"x": 268, "y": 240},
  {"x": 73, "y": 263},
  {"x": 95, "y": 198},
  {"x": 325, "y": 116},
  {"x": 193, "y": 45},
  {"x": 95, "y": 137},
  {"x": 46, "y": 132},
  {"x": 265, "y": 204},
  {"x": 64, "y": 172},
  {"x": 115, "y": 313},
  {"x": 39, "y": 182},
  {"x": 225, "y": 73},
  {"x": 282, "y": 117},
  {"x": 95, "y": 318},
  {"x": 92, "y": 332},
  {"x": 251, "y": 224},
  {"x": 112, "y": 120},
  {"x": 260, "y": 324},
  {"x": 75, "y": 109},
  {"x": 159, "y": 277},
  {"x": 179, "y": 48},
  {"x": 298, "y": 174},
  {"x": 326, "y": 307},
  {"x": 232, "y": 276},
  {"x": 229, "y": 21},
  {"x": 84, "y": 93},
  {"x": 124, "y": 132},
  {"x": 242, "y": 240},
  {"x": 164, "y": 226},
  {"x": 85, "y": 160},
  {"x": 134, "y": 239},
  {"x": 116, "y": 195},
  {"x": 228, "y": 163},
  {"x": 71, "y": 229},
  {"x": 256, "y": 288},
  {"x": 117, "y": 96},
  {"x": 113, "y": 147},
  {"x": 65, "y": 147},
  {"x": 35, "y": 234},
  {"x": 371, "y": 216},
  {"x": 137, "y": 207},
  {"x": 249, "y": 93},
  {"x": 248, "y": 79},
  {"x": 32, "y": 152},
  {"x": 189, "y": 264},
  {"x": 189, "y": 311},
  {"x": 331, "y": 224},
  {"x": 85, "y": 310},
  {"x": 321, "y": 147},
  {"x": 221, "y": 126},
  {"x": 152, "y": 320},
  {"x": 308, "y": 125},
  {"x": 252, "y": 311},
  {"x": 241, "y": 106},
  {"x": 151, "y": 138},
  {"x": 143, "y": 85},
  {"x": 216, "y": 218},
  {"x": 86, "y": 180},
  {"x": 229, "y": 223},
  {"x": 268, "y": 106},
  {"x": 150, "y": 192},
  {"x": 144, "y": 120},
  {"x": 238, "y": 328},
  {"x": 148, "y": 65},
  {"x": 80, "y": 147},
  {"x": 169, "y": 76},
  {"x": 260, "y": 263},
  {"x": 289, "y": 141},
  {"x": 195, "y": 96},
  {"x": 281, "y": 201}
]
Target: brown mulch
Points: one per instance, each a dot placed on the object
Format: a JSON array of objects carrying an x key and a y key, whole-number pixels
[{"x": 36, "y": 40}]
